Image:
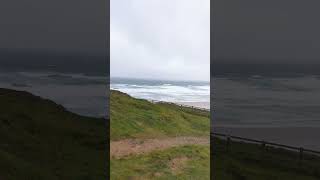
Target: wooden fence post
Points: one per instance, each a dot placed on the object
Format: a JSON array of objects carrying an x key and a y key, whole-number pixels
[
  {"x": 228, "y": 143},
  {"x": 263, "y": 145},
  {"x": 263, "y": 149},
  {"x": 301, "y": 154}
]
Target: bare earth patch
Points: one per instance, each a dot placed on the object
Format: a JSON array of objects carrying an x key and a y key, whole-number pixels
[
  {"x": 176, "y": 165},
  {"x": 128, "y": 147}
]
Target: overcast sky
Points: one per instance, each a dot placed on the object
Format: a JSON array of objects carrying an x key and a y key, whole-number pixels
[
  {"x": 268, "y": 31},
  {"x": 160, "y": 39},
  {"x": 54, "y": 25}
]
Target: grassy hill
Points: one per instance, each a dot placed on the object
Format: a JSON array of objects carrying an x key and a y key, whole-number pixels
[
  {"x": 138, "y": 118},
  {"x": 132, "y": 118},
  {"x": 245, "y": 161},
  {"x": 191, "y": 162},
  {"x": 41, "y": 140}
]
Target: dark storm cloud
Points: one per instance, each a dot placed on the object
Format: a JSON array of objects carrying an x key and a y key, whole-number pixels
[
  {"x": 266, "y": 31},
  {"x": 53, "y": 25}
]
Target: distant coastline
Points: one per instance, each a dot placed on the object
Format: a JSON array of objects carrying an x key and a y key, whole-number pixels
[
  {"x": 80, "y": 93},
  {"x": 187, "y": 93},
  {"x": 196, "y": 105}
]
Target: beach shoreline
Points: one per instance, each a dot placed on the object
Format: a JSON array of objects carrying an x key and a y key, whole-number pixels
[
  {"x": 201, "y": 105},
  {"x": 195, "y": 105}
]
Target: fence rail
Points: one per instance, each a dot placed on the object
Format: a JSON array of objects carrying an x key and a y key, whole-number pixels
[
  {"x": 181, "y": 105},
  {"x": 194, "y": 107},
  {"x": 301, "y": 150}
]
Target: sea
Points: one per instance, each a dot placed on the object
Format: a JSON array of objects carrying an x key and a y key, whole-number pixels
[
  {"x": 192, "y": 93},
  {"x": 79, "y": 93},
  {"x": 280, "y": 109},
  {"x": 264, "y": 101}
]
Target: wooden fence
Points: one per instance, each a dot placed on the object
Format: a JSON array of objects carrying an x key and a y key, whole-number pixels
[
  {"x": 229, "y": 139},
  {"x": 181, "y": 105}
]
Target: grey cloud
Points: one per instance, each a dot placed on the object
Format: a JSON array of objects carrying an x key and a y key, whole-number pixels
[
  {"x": 54, "y": 25},
  {"x": 160, "y": 39},
  {"x": 284, "y": 32}
]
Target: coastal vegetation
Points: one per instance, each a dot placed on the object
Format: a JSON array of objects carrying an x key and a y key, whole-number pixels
[
  {"x": 138, "y": 124},
  {"x": 139, "y": 118},
  {"x": 40, "y": 139},
  {"x": 133, "y": 118},
  {"x": 246, "y": 161}
]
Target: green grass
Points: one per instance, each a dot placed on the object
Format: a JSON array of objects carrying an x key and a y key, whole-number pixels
[
  {"x": 41, "y": 140},
  {"x": 137, "y": 118},
  {"x": 156, "y": 165},
  {"x": 245, "y": 161}
]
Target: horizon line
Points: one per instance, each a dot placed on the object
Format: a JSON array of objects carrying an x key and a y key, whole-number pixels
[{"x": 158, "y": 79}]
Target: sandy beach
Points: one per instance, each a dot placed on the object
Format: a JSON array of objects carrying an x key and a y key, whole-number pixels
[
  {"x": 204, "y": 105},
  {"x": 306, "y": 137}
]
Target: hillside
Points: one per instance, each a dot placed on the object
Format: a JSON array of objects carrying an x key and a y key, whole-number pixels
[
  {"x": 143, "y": 135},
  {"x": 157, "y": 140},
  {"x": 138, "y": 118},
  {"x": 41, "y": 140},
  {"x": 245, "y": 161}
]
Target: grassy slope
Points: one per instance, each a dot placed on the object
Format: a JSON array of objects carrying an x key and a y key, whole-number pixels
[
  {"x": 250, "y": 162},
  {"x": 156, "y": 165},
  {"x": 41, "y": 140},
  {"x": 137, "y": 118}
]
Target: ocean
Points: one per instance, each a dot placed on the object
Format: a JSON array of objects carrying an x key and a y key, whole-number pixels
[
  {"x": 80, "y": 93},
  {"x": 263, "y": 101},
  {"x": 283, "y": 109},
  {"x": 192, "y": 93}
]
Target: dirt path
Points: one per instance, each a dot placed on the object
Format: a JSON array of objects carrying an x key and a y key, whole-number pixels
[{"x": 136, "y": 146}]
